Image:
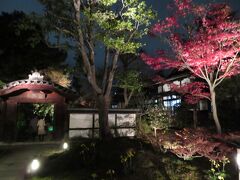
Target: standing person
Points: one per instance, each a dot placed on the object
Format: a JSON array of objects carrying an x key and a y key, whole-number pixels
[
  {"x": 33, "y": 128},
  {"x": 41, "y": 129}
]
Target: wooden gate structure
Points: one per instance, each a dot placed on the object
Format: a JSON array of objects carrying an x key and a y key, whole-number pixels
[{"x": 33, "y": 90}]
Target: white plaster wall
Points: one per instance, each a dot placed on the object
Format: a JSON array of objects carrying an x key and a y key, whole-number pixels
[
  {"x": 80, "y": 121},
  {"x": 85, "y": 120}
]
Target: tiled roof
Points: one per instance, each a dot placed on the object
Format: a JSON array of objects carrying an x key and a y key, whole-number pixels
[
  {"x": 25, "y": 81},
  {"x": 57, "y": 87}
]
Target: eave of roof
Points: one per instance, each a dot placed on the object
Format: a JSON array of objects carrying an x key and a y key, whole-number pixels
[{"x": 36, "y": 85}]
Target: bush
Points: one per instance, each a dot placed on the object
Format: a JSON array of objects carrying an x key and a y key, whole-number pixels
[
  {"x": 157, "y": 118},
  {"x": 143, "y": 126}
]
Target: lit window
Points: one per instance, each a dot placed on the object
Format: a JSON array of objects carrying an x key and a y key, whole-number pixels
[
  {"x": 171, "y": 102},
  {"x": 166, "y": 87}
]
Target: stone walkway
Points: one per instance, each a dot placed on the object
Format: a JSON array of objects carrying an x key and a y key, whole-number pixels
[{"x": 14, "y": 158}]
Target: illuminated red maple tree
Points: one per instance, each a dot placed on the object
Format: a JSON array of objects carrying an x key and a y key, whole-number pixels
[{"x": 209, "y": 49}]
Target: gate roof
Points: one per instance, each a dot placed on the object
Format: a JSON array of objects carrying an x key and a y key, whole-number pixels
[{"x": 36, "y": 84}]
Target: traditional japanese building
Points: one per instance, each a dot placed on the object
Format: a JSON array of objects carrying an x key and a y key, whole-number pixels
[{"x": 33, "y": 90}]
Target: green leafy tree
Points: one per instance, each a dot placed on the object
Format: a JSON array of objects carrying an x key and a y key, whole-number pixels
[
  {"x": 131, "y": 83},
  {"x": 107, "y": 28},
  {"x": 23, "y": 47},
  {"x": 158, "y": 118},
  {"x": 44, "y": 110}
]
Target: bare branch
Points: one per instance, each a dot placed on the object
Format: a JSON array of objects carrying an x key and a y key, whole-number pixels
[
  {"x": 65, "y": 31},
  {"x": 90, "y": 69},
  {"x": 228, "y": 69},
  {"x": 203, "y": 96},
  {"x": 105, "y": 70},
  {"x": 111, "y": 74}
]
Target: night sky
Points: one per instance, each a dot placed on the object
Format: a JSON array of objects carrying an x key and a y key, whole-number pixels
[
  {"x": 33, "y": 5},
  {"x": 29, "y": 6},
  {"x": 21, "y": 5}
]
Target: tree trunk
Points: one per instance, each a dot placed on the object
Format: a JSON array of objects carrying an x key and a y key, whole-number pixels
[
  {"x": 214, "y": 111},
  {"x": 103, "y": 110},
  {"x": 125, "y": 95}
]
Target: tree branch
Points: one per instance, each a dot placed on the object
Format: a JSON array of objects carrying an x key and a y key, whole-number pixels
[
  {"x": 90, "y": 70},
  {"x": 111, "y": 74},
  {"x": 105, "y": 70},
  {"x": 221, "y": 78}
]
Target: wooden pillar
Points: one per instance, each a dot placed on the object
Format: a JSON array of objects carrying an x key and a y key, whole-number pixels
[
  {"x": 60, "y": 120},
  {"x": 65, "y": 120},
  {"x": 195, "y": 118},
  {"x": 2, "y": 119},
  {"x": 10, "y": 123}
]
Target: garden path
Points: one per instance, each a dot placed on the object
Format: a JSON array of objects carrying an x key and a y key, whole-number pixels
[{"x": 14, "y": 158}]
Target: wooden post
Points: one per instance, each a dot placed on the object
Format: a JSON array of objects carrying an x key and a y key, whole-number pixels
[
  {"x": 195, "y": 118},
  {"x": 116, "y": 126},
  {"x": 59, "y": 118},
  {"x": 2, "y": 119},
  {"x": 93, "y": 124},
  {"x": 10, "y": 124}
]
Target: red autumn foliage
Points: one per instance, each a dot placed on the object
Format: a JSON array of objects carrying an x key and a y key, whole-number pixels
[
  {"x": 192, "y": 143},
  {"x": 213, "y": 48},
  {"x": 209, "y": 48},
  {"x": 192, "y": 92}
]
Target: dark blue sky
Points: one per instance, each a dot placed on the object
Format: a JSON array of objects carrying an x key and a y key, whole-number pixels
[
  {"x": 33, "y": 5},
  {"x": 29, "y": 6},
  {"x": 21, "y": 5}
]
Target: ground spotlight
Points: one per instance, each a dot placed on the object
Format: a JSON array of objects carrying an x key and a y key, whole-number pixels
[
  {"x": 33, "y": 166},
  {"x": 238, "y": 161},
  {"x": 65, "y": 146}
]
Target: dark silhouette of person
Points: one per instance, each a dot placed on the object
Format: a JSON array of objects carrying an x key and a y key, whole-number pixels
[
  {"x": 33, "y": 127},
  {"x": 41, "y": 129}
]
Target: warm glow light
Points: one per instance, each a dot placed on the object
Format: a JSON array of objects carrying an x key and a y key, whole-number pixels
[
  {"x": 65, "y": 145},
  {"x": 34, "y": 166},
  {"x": 238, "y": 158}
]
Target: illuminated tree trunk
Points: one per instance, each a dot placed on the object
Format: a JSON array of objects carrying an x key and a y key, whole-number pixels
[
  {"x": 214, "y": 111},
  {"x": 103, "y": 103},
  {"x": 127, "y": 97},
  {"x": 79, "y": 21}
]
